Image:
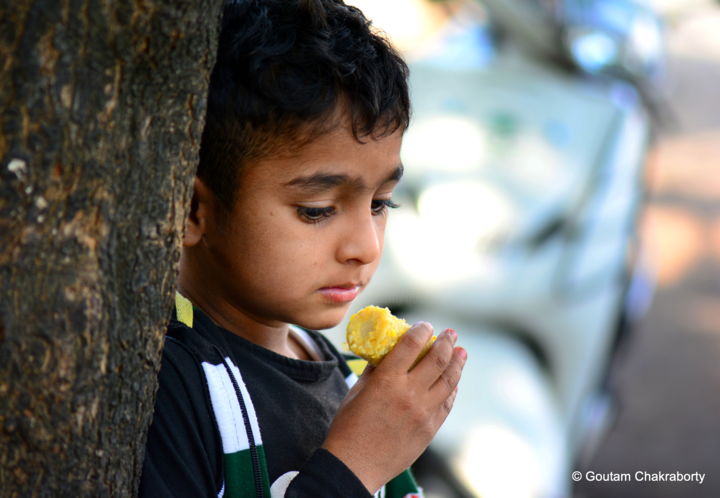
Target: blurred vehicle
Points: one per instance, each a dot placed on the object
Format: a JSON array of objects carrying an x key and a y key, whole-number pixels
[{"x": 524, "y": 179}]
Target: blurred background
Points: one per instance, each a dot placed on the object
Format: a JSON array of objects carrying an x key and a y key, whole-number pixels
[
  {"x": 662, "y": 365},
  {"x": 668, "y": 378}
]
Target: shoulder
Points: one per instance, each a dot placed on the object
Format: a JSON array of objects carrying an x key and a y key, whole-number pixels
[
  {"x": 181, "y": 354},
  {"x": 182, "y": 379},
  {"x": 182, "y": 386},
  {"x": 183, "y": 434}
]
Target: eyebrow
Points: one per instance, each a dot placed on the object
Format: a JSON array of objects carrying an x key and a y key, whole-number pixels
[{"x": 321, "y": 182}]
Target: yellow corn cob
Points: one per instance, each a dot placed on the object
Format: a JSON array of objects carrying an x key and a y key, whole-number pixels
[{"x": 373, "y": 331}]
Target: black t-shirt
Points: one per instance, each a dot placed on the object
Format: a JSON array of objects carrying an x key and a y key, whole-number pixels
[
  {"x": 299, "y": 398},
  {"x": 295, "y": 402}
]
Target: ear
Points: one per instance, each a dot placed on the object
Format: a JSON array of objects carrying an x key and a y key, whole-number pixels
[{"x": 201, "y": 208}]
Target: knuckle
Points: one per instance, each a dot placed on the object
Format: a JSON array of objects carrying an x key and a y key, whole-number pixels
[
  {"x": 405, "y": 402},
  {"x": 417, "y": 414},
  {"x": 449, "y": 381},
  {"x": 454, "y": 374},
  {"x": 448, "y": 404},
  {"x": 427, "y": 429},
  {"x": 406, "y": 405},
  {"x": 417, "y": 419},
  {"x": 384, "y": 383},
  {"x": 441, "y": 360},
  {"x": 414, "y": 341},
  {"x": 429, "y": 432}
]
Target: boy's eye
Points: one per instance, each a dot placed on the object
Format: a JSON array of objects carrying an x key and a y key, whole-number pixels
[
  {"x": 379, "y": 206},
  {"x": 315, "y": 214}
]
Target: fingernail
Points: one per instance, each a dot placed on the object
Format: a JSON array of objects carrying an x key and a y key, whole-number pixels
[
  {"x": 462, "y": 353},
  {"x": 452, "y": 335},
  {"x": 427, "y": 325}
]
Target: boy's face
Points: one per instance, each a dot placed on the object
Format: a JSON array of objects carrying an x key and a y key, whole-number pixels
[{"x": 305, "y": 234}]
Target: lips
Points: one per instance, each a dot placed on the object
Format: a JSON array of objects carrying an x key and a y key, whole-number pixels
[{"x": 340, "y": 293}]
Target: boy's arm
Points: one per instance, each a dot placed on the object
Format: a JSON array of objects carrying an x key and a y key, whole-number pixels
[
  {"x": 182, "y": 453},
  {"x": 326, "y": 476},
  {"x": 322, "y": 476},
  {"x": 394, "y": 410}
]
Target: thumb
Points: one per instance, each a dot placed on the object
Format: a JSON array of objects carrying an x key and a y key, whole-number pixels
[{"x": 362, "y": 379}]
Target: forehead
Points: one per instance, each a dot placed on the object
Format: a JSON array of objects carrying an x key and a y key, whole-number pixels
[{"x": 335, "y": 154}]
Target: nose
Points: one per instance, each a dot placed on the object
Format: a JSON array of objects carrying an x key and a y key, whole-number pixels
[{"x": 362, "y": 241}]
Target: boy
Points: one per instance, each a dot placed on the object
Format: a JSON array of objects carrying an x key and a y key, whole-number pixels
[{"x": 299, "y": 158}]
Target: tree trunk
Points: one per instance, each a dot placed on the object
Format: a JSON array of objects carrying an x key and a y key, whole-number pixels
[{"x": 101, "y": 111}]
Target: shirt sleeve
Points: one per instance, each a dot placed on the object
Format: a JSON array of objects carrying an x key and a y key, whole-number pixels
[
  {"x": 326, "y": 476},
  {"x": 183, "y": 453}
]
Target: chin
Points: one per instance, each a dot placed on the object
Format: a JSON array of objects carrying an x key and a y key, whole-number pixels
[{"x": 324, "y": 319}]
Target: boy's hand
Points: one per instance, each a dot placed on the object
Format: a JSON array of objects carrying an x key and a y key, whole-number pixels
[{"x": 392, "y": 413}]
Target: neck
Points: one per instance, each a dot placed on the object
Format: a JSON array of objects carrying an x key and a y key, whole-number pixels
[{"x": 274, "y": 336}]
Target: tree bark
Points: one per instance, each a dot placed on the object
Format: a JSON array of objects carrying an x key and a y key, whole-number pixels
[{"x": 101, "y": 111}]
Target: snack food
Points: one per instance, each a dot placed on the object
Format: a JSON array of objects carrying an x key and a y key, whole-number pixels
[{"x": 372, "y": 332}]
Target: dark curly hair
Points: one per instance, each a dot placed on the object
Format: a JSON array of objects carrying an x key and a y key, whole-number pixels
[{"x": 284, "y": 68}]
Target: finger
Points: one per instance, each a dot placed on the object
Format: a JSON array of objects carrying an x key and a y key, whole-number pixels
[
  {"x": 408, "y": 348},
  {"x": 429, "y": 368},
  {"x": 449, "y": 402},
  {"x": 444, "y": 408},
  {"x": 363, "y": 378},
  {"x": 447, "y": 382}
]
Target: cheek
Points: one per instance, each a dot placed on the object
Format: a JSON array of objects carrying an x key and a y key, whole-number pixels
[
  {"x": 381, "y": 224},
  {"x": 282, "y": 245}
]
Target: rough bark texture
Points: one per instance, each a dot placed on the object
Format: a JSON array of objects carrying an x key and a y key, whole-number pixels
[{"x": 101, "y": 111}]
